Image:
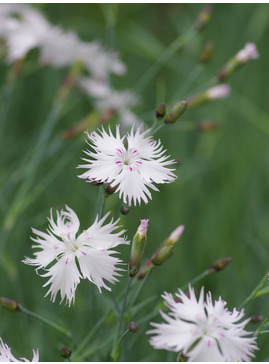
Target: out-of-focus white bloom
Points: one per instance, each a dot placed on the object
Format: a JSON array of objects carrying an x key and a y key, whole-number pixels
[
  {"x": 201, "y": 330},
  {"x": 58, "y": 48},
  {"x": 6, "y": 355},
  {"x": 106, "y": 98},
  {"x": 247, "y": 53},
  {"x": 86, "y": 256},
  {"x": 132, "y": 163},
  {"x": 21, "y": 33},
  {"x": 218, "y": 92}
]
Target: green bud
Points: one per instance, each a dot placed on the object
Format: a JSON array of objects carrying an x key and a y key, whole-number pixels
[
  {"x": 110, "y": 190},
  {"x": 133, "y": 327},
  {"x": 65, "y": 352},
  {"x": 9, "y": 304},
  {"x": 138, "y": 246},
  {"x": 124, "y": 210},
  {"x": 206, "y": 53},
  {"x": 176, "y": 112},
  {"x": 162, "y": 254},
  {"x": 160, "y": 111},
  {"x": 203, "y": 17},
  {"x": 220, "y": 264}
]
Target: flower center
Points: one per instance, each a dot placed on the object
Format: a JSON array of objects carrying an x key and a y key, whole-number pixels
[{"x": 129, "y": 158}]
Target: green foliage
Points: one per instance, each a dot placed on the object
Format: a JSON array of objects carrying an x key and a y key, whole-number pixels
[{"x": 221, "y": 195}]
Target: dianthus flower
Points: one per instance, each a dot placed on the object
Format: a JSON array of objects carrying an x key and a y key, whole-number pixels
[
  {"x": 201, "y": 330},
  {"x": 7, "y": 356},
  {"x": 68, "y": 258},
  {"x": 131, "y": 164}
]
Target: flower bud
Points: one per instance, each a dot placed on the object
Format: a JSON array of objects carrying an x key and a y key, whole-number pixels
[
  {"x": 160, "y": 111},
  {"x": 65, "y": 352},
  {"x": 110, "y": 190},
  {"x": 125, "y": 210},
  {"x": 203, "y": 18},
  {"x": 166, "y": 249},
  {"x": 220, "y": 264},
  {"x": 176, "y": 112},
  {"x": 162, "y": 254},
  {"x": 211, "y": 94},
  {"x": 138, "y": 246},
  {"x": 244, "y": 55},
  {"x": 206, "y": 53},
  {"x": 207, "y": 126},
  {"x": 133, "y": 327},
  {"x": 9, "y": 304},
  {"x": 255, "y": 319}
]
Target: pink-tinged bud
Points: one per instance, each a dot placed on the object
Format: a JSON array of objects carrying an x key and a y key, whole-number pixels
[
  {"x": 9, "y": 304},
  {"x": 138, "y": 246},
  {"x": 218, "y": 92},
  {"x": 142, "y": 228},
  {"x": 244, "y": 55},
  {"x": 175, "y": 235},
  {"x": 166, "y": 249},
  {"x": 247, "y": 53},
  {"x": 133, "y": 327}
]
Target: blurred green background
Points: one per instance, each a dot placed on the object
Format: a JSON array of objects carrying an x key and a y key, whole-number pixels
[{"x": 221, "y": 195}]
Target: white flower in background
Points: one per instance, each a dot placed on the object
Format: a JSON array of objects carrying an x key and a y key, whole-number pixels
[
  {"x": 201, "y": 330},
  {"x": 6, "y": 355},
  {"x": 218, "y": 92},
  {"x": 132, "y": 163},
  {"x": 23, "y": 32},
  {"x": 86, "y": 256},
  {"x": 108, "y": 99},
  {"x": 247, "y": 53},
  {"x": 58, "y": 48}
]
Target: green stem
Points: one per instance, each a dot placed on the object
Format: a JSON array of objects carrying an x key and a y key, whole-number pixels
[
  {"x": 49, "y": 323},
  {"x": 89, "y": 336},
  {"x": 254, "y": 292},
  {"x": 140, "y": 287},
  {"x": 91, "y": 351},
  {"x": 103, "y": 205},
  {"x": 198, "y": 278},
  {"x": 114, "y": 353}
]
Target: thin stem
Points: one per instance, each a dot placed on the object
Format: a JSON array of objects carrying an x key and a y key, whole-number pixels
[
  {"x": 254, "y": 292},
  {"x": 114, "y": 353},
  {"x": 198, "y": 278},
  {"x": 89, "y": 336},
  {"x": 49, "y": 323},
  {"x": 140, "y": 287},
  {"x": 166, "y": 55},
  {"x": 91, "y": 351},
  {"x": 103, "y": 205}
]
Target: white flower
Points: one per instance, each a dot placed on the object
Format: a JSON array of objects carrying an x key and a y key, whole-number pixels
[
  {"x": 218, "y": 92},
  {"x": 247, "y": 53},
  {"x": 6, "y": 355},
  {"x": 83, "y": 257},
  {"x": 201, "y": 330},
  {"x": 132, "y": 164},
  {"x": 22, "y": 33}
]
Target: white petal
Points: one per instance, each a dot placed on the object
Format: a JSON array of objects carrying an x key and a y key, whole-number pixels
[
  {"x": 97, "y": 265},
  {"x": 64, "y": 277}
]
